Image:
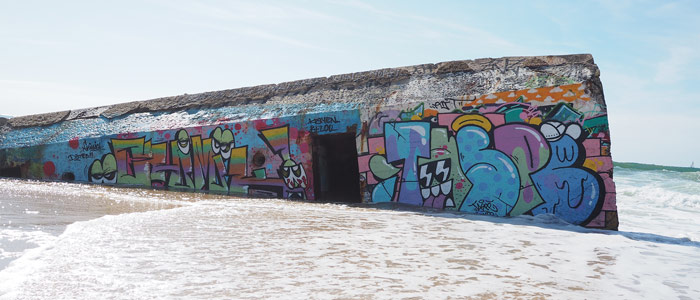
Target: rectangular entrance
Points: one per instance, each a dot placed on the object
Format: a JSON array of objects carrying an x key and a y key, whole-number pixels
[
  {"x": 14, "y": 172},
  {"x": 336, "y": 175}
]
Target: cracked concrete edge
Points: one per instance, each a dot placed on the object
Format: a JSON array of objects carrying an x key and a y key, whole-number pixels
[
  {"x": 262, "y": 93},
  {"x": 38, "y": 120}
]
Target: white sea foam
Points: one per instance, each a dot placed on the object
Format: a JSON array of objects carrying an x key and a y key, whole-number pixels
[
  {"x": 659, "y": 202},
  {"x": 24, "y": 257},
  {"x": 16, "y": 242},
  {"x": 260, "y": 248}
]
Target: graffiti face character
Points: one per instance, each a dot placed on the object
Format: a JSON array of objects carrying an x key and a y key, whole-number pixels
[
  {"x": 103, "y": 171},
  {"x": 183, "y": 141},
  {"x": 294, "y": 178},
  {"x": 293, "y": 174},
  {"x": 442, "y": 185},
  {"x": 222, "y": 142},
  {"x": 435, "y": 183}
]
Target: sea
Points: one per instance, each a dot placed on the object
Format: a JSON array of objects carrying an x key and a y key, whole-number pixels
[{"x": 78, "y": 241}]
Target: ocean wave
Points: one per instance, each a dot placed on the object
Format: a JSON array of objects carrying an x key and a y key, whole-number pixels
[
  {"x": 650, "y": 237},
  {"x": 92, "y": 193},
  {"x": 652, "y": 167},
  {"x": 660, "y": 197}
]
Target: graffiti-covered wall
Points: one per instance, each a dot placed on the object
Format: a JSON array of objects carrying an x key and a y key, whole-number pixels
[
  {"x": 501, "y": 137},
  {"x": 538, "y": 150},
  {"x": 259, "y": 158}
]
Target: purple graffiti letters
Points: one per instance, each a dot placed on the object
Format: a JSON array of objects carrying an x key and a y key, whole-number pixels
[{"x": 529, "y": 151}]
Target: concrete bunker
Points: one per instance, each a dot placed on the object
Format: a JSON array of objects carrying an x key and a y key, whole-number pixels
[{"x": 478, "y": 136}]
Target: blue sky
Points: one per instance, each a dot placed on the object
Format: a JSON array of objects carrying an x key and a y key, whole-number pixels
[{"x": 59, "y": 55}]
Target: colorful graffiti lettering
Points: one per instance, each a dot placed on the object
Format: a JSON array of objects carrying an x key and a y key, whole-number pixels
[
  {"x": 492, "y": 173},
  {"x": 188, "y": 162},
  {"x": 206, "y": 159},
  {"x": 493, "y": 157}
]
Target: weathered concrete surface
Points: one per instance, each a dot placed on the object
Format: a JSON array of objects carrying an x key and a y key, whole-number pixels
[
  {"x": 38, "y": 120},
  {"x": 480, "y": 76}
]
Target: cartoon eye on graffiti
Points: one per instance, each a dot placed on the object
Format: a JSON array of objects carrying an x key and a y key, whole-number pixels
[
  {"x": 104, "y": 170},
  {"x": 293, "y": 174},
  {"x": 435, "y": 182},
  {"x": 566, "y": 150},
  {"x": 222, "y": 142},
  {"x": 183, "y": 141},
  {"x": 555, "y": 130}
]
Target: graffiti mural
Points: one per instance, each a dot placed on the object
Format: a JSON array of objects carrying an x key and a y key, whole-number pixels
[
  {"x": 535, "y": 151},
  {"x": 208, "y": 159},
  {"x": 257, "y": 158},
  {"x": 531, "y": 151}
]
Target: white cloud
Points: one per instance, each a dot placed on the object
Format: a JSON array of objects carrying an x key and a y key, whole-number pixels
[
  {"x": 257, "y": 33},
  {"x": 619, "y": 9},
  {"x": 676, "y": 66},
  {"x": 253, "y": 19},
  {"x": 249, "y": 11},
  {"x": 471, "y": 33},
  {"x": 36, "y": 42},
  {"x": 667, "y": 9}
]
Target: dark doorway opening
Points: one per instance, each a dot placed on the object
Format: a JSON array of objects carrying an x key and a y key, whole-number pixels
[
  {"x": 336, "y": 175},
  {"x": 15, "y": 172}
]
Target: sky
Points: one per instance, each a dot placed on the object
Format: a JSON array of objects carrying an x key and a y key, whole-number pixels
[{"x": 62, "y": 55}]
